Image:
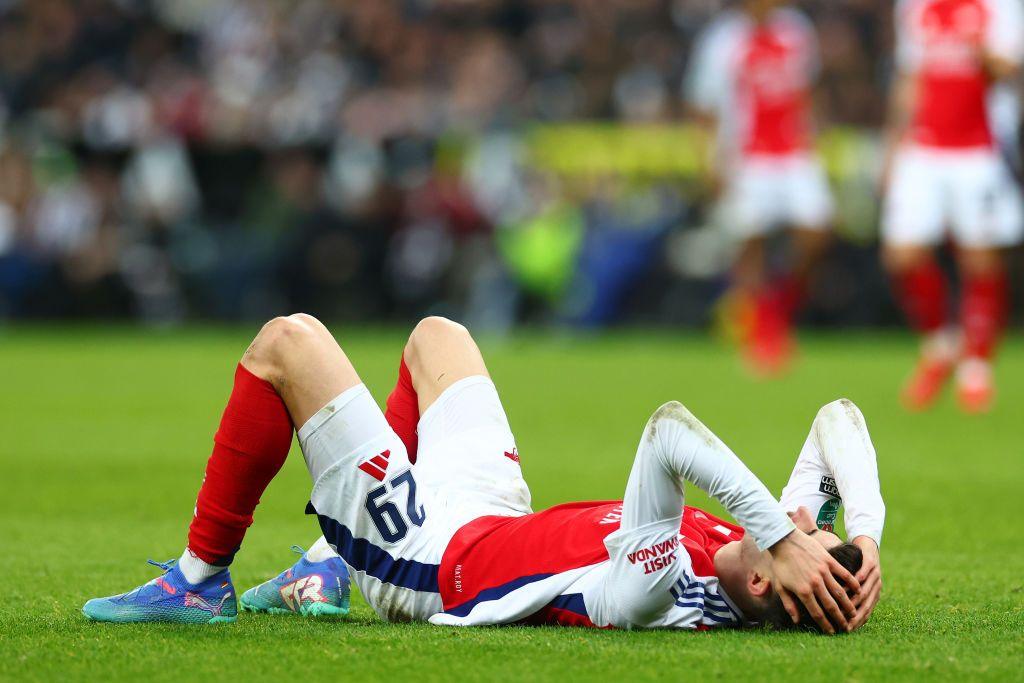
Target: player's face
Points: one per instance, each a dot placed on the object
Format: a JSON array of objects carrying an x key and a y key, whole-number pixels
[{"x": 757, "y": 565}]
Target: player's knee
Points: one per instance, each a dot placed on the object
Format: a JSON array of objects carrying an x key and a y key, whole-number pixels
[
  {"x": 282, "y": 337},
  {"x": 432, "y": 333},
  {"x": 900, "y": 259}
]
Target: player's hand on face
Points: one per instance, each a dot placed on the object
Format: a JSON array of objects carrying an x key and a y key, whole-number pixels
[
  {"x": 805, "y": 571},
  {"x": 870, "y": 577},
  {"x": 802, "y": 519}
]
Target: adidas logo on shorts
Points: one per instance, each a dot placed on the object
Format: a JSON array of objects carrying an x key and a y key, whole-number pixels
[{"x": 377, "y": 466}]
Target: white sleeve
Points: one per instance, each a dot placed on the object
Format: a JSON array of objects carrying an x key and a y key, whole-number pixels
[
  {"x": 810, "y": 47},
  {"x": 908, "y": 49},
  {"x": 1004, "y": 36},
  {"x": 706, "y": 84},
  {"x": 691, "y": 451},
  {"x": 837, "y": 465}
]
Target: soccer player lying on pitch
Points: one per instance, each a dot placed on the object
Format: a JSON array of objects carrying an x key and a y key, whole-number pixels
[{"x": 427, "y": 507}]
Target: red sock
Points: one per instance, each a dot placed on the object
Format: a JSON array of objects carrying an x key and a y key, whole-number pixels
[
  {"x": 922, "y": 294},
  {"x": 770, "y": 315},
  {"x": 249, "y": 449},
  {"x": 789, "y": 291},
  {"x": 983, "y": 312},
  {"x": 403, "y": 410}
]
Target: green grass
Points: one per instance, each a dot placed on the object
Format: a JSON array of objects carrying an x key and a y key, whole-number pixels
[{"x": 104, "y": 434}]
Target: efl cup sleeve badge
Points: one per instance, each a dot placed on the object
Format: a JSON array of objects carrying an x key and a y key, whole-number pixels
[{"x": 826, "y": 520}]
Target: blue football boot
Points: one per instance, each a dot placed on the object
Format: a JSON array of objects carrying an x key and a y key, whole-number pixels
[
  {"x": 170, "y": 598},
  {"x": 307, "y": 588}
]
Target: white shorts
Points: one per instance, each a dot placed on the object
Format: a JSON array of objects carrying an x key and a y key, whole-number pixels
[
  {"x": 768, "y": 193},
  {"x": 391, "y": 521},
  {"x": 970, "y": 193}
]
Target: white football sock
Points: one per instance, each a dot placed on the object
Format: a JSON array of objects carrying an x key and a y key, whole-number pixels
[
  {"x": 194, "y": 569},
  {"x": 320, "y": 551}
]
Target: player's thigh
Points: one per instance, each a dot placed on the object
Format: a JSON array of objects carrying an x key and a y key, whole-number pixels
[
  {"x": 371, "y": 508},
  {"x": 808, "y": 197},
  {"x": 914, "y": 211},
  {"x": 754, "y": 201},
  {"x": 439, "y": 353},
  {"x": 362, "y": 479},
  {"x": 303, "y": 361},
  {"x": 468, "y": 453},
  {"x": 986, "y": 204}
]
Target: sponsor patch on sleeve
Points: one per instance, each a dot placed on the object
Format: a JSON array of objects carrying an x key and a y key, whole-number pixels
[{"x": 828, "y": 487}]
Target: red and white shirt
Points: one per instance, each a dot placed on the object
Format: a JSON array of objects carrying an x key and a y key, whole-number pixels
[
  {"x": 536, "y": 568},
  {"x": 756, "y": 78},
  {"x": 940, "y": 43}
]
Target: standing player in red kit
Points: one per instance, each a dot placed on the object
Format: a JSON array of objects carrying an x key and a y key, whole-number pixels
[
  {"x": 945, "y": 179},
  {"x": 750, "y": 81},
  {"x": 427, "y": 507}
]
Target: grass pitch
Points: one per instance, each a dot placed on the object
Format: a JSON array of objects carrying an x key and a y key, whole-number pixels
[{"x": 103, "y": 438}]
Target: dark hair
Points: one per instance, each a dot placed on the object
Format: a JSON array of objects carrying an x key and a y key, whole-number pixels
[{"x": 776, "y": 615}]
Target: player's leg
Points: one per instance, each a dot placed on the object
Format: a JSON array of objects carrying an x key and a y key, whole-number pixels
[
  {"x": 439, "y": 353},
  {"x": 984, "y": 306},
  {"x": 809, "y": 213},
  {"x": 467, "y": 452},
  {"x": 436, "y": 348},
  {"x": 756, "y": 203},
  {"x": 292, "y": 368},
  {"x": 913, "y": 224},
  {"x": 987, "y": 217}
]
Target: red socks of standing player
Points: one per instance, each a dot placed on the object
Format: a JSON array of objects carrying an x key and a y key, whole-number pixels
[
  {"x": 250, "y": 447},
  {"x": 403, "y": 411},
  {"x": 922, "y": 293},
  {"x": 769, "y": 344},
  {"x": 983, "y": 312}
]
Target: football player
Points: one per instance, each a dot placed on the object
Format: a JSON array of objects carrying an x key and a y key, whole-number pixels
[
  {"x": 427, "y": 508},
  {"x": 946, "y": 179},
  {"x": 750, "y": 82}
]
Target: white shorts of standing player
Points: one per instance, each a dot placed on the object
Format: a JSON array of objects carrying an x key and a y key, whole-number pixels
[
  {"x": 766, "y": 193},
  {"x": 970, "y": 193}
]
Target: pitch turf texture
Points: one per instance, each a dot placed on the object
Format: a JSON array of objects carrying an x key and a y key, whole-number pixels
[{"x": 104, "y": 437}]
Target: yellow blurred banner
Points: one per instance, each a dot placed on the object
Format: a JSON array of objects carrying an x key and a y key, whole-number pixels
[
  {"x": 600, "y": 148},
  {"x": 595, "y": 148}
]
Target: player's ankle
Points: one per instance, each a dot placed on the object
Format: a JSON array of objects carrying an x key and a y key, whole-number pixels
[
  {"x": 195, "y": 570},
  {"x": 943, "y": 345},
  {"x": 320, "y": 551}
]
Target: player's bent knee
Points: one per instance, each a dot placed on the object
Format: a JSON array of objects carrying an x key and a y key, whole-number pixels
[
  {"x": 898, "y": 259},
  {"x": 281, "y": 337},
  {"x": 436, "y": 326},
  {"x": 431, "y": 334}
]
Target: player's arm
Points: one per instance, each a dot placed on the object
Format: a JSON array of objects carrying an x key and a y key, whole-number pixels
[
  {"x": 902, "y": 94},
  {"x": 902, "y": 90},
  {"x": 839, "y": 451},
  {"x": 804, "y": 570},
  {"x": 1002, "y": 48},
  {"x": 703, "y": 94}
]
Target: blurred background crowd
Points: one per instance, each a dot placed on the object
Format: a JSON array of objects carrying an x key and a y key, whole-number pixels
[{"x": 496, "y": 160}]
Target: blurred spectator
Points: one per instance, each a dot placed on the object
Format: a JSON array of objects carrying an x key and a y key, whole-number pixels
[{"x": 167, "y": 159}]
